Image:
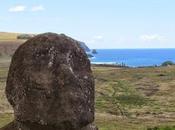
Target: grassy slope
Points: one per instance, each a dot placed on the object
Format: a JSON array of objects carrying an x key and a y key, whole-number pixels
[
  {"x": 145, "y": 95},
  {"x": 9, "y": 43},
  {"x": 6, "y": 39},
  {"x": 8, "y": 36}
]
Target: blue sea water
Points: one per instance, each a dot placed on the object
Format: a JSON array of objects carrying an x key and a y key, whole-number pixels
[{"x": 133, "y": 57}]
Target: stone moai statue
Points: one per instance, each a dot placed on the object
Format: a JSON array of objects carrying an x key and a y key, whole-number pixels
[{"x": 50, "y": 85}]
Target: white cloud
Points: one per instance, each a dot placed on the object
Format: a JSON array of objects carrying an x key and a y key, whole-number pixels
[
  {"x": 152, "y": 37},
  {"x": 37, "y": 8},
  {"x": 18, "y": 8},
  {"x": 95, "y": 39},
  {"x": 98, "y": 37}
]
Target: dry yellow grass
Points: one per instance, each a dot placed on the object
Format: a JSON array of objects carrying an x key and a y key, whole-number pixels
[{"x": 8, "y": 36}]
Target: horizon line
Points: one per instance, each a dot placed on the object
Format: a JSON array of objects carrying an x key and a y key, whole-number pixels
[{"x": 130, "y": 48}]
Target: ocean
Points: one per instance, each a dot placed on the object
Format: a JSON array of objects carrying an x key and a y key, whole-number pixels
[{"x": 133, "y": 57}]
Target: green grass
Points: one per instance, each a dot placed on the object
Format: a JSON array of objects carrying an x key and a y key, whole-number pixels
[
  {"x": 5, "y": 119},
  {"x": 118, "y": 97},
  {"x": 162, "y": 128},
  {"x": 143, "y": 95}
]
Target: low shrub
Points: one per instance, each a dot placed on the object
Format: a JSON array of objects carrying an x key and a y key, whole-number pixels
[{"x": 167, "y": 63}]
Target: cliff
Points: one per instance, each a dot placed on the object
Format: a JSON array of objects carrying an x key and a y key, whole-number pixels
[{"x": 84, "y": 46}]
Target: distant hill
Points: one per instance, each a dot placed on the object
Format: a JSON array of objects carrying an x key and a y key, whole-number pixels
[
  {"x": 8, "y": 36},
  {"x": 9, "y": 42},
  {"x": 25, "y": 36},
  {"x": 84, "y": 46}
]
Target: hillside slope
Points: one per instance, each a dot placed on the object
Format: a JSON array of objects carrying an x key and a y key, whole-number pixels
[
  {"x": 9, "y": 43},
  {"x": 8, "y": 36}
]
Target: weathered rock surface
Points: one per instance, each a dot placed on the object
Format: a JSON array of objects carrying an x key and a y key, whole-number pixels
[{"x": 50, "y": 85}]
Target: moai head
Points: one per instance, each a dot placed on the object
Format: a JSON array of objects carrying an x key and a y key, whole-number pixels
[{"x": 50, "y": 82}]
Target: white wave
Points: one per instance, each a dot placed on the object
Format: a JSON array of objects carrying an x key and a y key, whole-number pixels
[{"x": 107, "y": 63}]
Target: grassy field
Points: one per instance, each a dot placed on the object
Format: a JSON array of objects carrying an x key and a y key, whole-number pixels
[
  {"x": 126, "y": 98},
  {"x": 8, "y": 36},
  {"x": 135, "y": 98},
  {"x": 9, "y": 43}
]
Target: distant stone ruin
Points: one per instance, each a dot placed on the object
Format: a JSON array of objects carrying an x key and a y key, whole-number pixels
[{"x": 50, "y": 85}]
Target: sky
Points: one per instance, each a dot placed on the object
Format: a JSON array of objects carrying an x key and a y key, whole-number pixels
[{"x": 111, "y": 24}]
